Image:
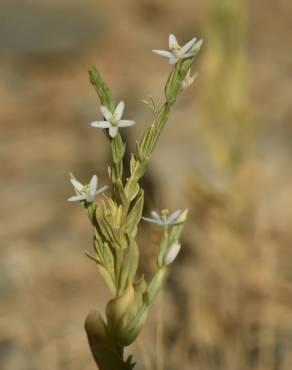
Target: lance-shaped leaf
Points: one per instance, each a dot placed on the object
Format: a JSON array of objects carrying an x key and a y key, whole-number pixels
[
  {"x": 105, "y": 256},
  {"x": 132, "y": 188},
  {"x": 136, "y": 168},
  {"x": 134, "y": 164},
  {"x": 147, "y": 142},
  {"x": 120, "y": 192},
  {"x": 135, "y": 214},
  {"x": 106, "y": 268},
  {"x": 129, "y": 265}
]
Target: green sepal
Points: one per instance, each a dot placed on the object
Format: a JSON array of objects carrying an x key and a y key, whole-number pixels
[
  {"x": 176, "y": 230},
  {"x": 118, "y": 148},
  {"x": 161, "y": 250}
]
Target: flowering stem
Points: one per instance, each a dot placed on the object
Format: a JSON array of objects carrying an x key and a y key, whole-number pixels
[
  {"x": 118, "y": 147},
  {"x": 115, "y": 221}
]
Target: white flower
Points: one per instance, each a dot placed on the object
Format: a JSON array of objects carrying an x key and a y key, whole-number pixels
[
  {"x": 86, "y": 192},
  {"x": 188, "y": 79},
  {"x": 113, "y": 120},
  {"x": 164, "y": 219},
  {"x": 172, "y": 253},
  {"x": 177, "y": 52}
]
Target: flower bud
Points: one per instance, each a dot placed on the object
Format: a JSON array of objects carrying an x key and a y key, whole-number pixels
[{"x": 172, "y": 253}]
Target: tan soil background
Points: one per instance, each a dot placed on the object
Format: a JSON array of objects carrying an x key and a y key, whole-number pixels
[{"x": 228, "y": 301}]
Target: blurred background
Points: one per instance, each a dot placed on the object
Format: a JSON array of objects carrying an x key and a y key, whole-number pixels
[{"x": 225, "y": 154}]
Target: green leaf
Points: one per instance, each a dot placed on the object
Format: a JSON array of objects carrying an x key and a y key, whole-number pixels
[
  {"x": 132, "y": 188},
  {"x": 120, "y": 192},
  {"x": 130, "y": 264},
  {"x": 135, "y": 215},
  {"x": 147, "y": 142}
]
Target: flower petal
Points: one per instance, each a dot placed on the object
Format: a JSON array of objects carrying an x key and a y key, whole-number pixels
[
  {"x": 172, "y": 41},
  {"x": 100, "y": 124},
  {"x": 101, "y": 189},
  {"x": 163, "y": 53},
  {"x": 106, "y": 113},
  {"x": 177, "y": 222},
  {"x": 113, "y": 130},
  {"x": 187, "y": 46},
  {"x": 90, "y": 197},
  {"x": 77, "y": 185},
  {"x": 173, "y": 216},
  {"x": 126, "y": 123},
  {"x": 187, "y": 55},
  {"x": 119, "y": 110},
  {"x": 156, "y": 215},
  {"x": 76, "y": 198},
  {"x": 93, "y": 184},
  {"x": 173, "y": 60},
  {"x": 151, "y": 220},
  {"x": 172, "y": 253}
]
